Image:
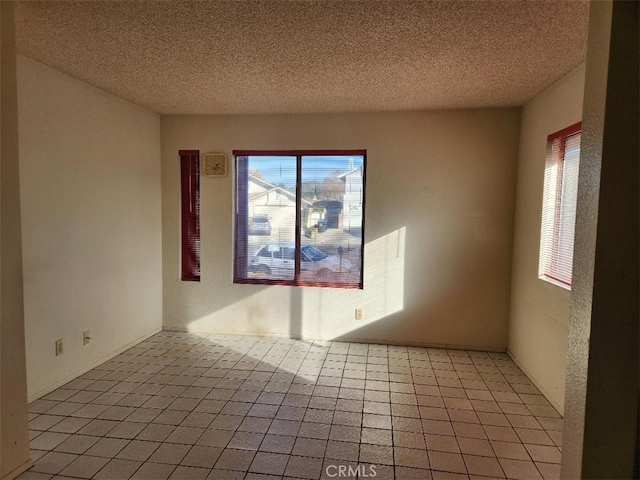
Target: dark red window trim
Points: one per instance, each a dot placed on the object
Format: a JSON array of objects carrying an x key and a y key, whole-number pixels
[
  {"x": 190, "y": 214},
  {"x": 241, "y": 217},
  {"x": 566, "y": 132}
]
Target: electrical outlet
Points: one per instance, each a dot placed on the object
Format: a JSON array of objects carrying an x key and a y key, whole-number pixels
[
  {"x": 86, "y": 337},
  {"x": 358, "y": 314},
  {"x": 59, "y": 347}
]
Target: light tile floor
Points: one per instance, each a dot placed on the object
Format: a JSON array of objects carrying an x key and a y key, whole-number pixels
[{"x": 189, "y": 406}]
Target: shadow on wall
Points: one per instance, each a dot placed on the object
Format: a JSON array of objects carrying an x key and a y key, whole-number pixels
[
  {"x": 437, "y": 294},
  {"x": 319, "y": 312}
]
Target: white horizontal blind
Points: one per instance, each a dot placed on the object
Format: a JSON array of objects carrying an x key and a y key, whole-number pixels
[
  {"x": 559, "y": 206},
  {"x": 299, "y": 218}
]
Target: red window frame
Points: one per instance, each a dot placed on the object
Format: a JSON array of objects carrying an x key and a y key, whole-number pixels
[
  {"x": 241, "y": 218},
  {"x": 190, "y": 214},
  {"x": 557, "y": 148}
]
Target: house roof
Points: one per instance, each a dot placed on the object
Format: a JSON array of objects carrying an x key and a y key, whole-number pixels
[
  {"x": 308, "y": 56},
  {"x": 269, "y": 188}
]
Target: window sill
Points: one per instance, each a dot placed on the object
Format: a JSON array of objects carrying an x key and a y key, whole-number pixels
[{"x": 555, "y": 282}]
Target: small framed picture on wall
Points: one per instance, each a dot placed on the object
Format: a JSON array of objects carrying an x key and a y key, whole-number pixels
[{"x": 214, "y": 165}]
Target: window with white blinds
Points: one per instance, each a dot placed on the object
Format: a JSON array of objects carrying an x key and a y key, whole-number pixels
[
  {"x": 559, "y": 206},
  {"x": 299, "y": 217}
]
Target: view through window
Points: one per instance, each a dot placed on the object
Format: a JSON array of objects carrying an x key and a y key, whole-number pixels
[
  {"x": 559, "y": 206},
  {"x": 300, "y": 218}
]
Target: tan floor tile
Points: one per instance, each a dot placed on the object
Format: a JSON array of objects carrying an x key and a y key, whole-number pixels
[
  {"x": 118, "y": 469},
  {"x": 107, "y": 447},
  {"x": 524, "y": 421},
  {"x": 447, "y": 462},
  {"x": 535, "y": 437},
  {"x": 201, "y": 456},
  {"x": 407, "y": 424},
  {"x": 353, "y": 419},
  {"x": 215, "y": 438},
  {"x": 304, "y": 467},
  {"x": 138, "y": 450},
  {"x": 309, "y": 447},
  {"x": 442, "y": 443},
  {"x": 345, "y": 433},
  {"x": 155, "y": 432},
  {"x": 549, "y": 471},
  {"x": 53, "y": 462},
  {"x": 437, "y": 427},
  {"x": 510, "y": 450},
  {"x": 520, "y": 469},
  {"x": 406, "y": 473},
  {"x": 269, "y": 463},
  {"x": 126, "y": 430},
  {"x": 377, "y": 436},
  {"x": 408, "y": 439},
  {"x": 514, "y": 408},
  {"x": 74, "y": 444},
  {"x": 410, "y": 457},
  {"x": 277, "y": 443},
  {"x": 189, "y": 473},
  {"x": 69, "y": 425},
  {"x": 235, "y": 460},
  {"x": 469, "y": 430},
  {"x": 483, "y": 466},
  {"x": 218, "y": 474},
  {"x": 492, "y": 418},
  {"x": 246, "y": 441},
  {"x": 544, "y": 454},
  {"x": 84, "y": 467},
  {"x": 435, "y": 413},
  {"x": 346, "y": 451},
  {"x": 48, "y": 440},
  {"x": 376, "y": 454},
  {"x": 476, "y": 446},
  {"x": 502, "y": 434},
  {"x": 170, "y": 453},
  {"x": 284, "y": 427},
  {"x": 465, "y": 416}
]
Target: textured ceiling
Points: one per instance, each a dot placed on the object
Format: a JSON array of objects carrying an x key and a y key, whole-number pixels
[{"x": 283, "y": 56}]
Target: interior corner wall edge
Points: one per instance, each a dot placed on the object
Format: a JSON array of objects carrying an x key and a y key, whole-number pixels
[
  {"x": 440, "y": 189},
  {"x": 14, "y": 431},
  {"x": 538, "y": 324},
  {"x": 91, "y": 221}
]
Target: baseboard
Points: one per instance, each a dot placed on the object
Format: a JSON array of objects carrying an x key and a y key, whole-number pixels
[
  {"x": 92, "y": 365},
  {"x": 17, "y": 471},
  {"x": 544, "y": 392},
  {"x": 341, "y": 339}
]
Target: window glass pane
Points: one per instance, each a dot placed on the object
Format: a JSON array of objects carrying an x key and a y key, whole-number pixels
[
  {"x": 331, "y": 221},
  {"x": 559, "y": 206},
  {"x": 271, "y": 217}
]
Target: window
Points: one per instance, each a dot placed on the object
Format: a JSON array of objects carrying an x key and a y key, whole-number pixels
[
  {"x": 190, "y": 213},
  {"x": 559, "y": 206},
  {"x": 299, "y": 217}
]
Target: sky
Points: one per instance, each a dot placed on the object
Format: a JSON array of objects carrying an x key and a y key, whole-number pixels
[{"x": 282, "y": 169}]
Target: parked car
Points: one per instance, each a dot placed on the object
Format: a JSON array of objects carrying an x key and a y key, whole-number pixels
[
  {"x": 278, "y": 260},
  {"x": 259, "y": 225},
  {"x": 334, "y": 211}
]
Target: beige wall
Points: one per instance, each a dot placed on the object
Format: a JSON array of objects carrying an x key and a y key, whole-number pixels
[
  {"x": 440, "y": 203},
  {"x": 14, "y": 439},
  {"x": 91, "y": 222},
  {"x": 539, "y": 309}
]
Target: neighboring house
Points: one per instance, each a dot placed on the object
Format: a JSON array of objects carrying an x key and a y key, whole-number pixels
[
  {"x": 267, "y": 198},
  {"x": 352, "y": 199}
]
